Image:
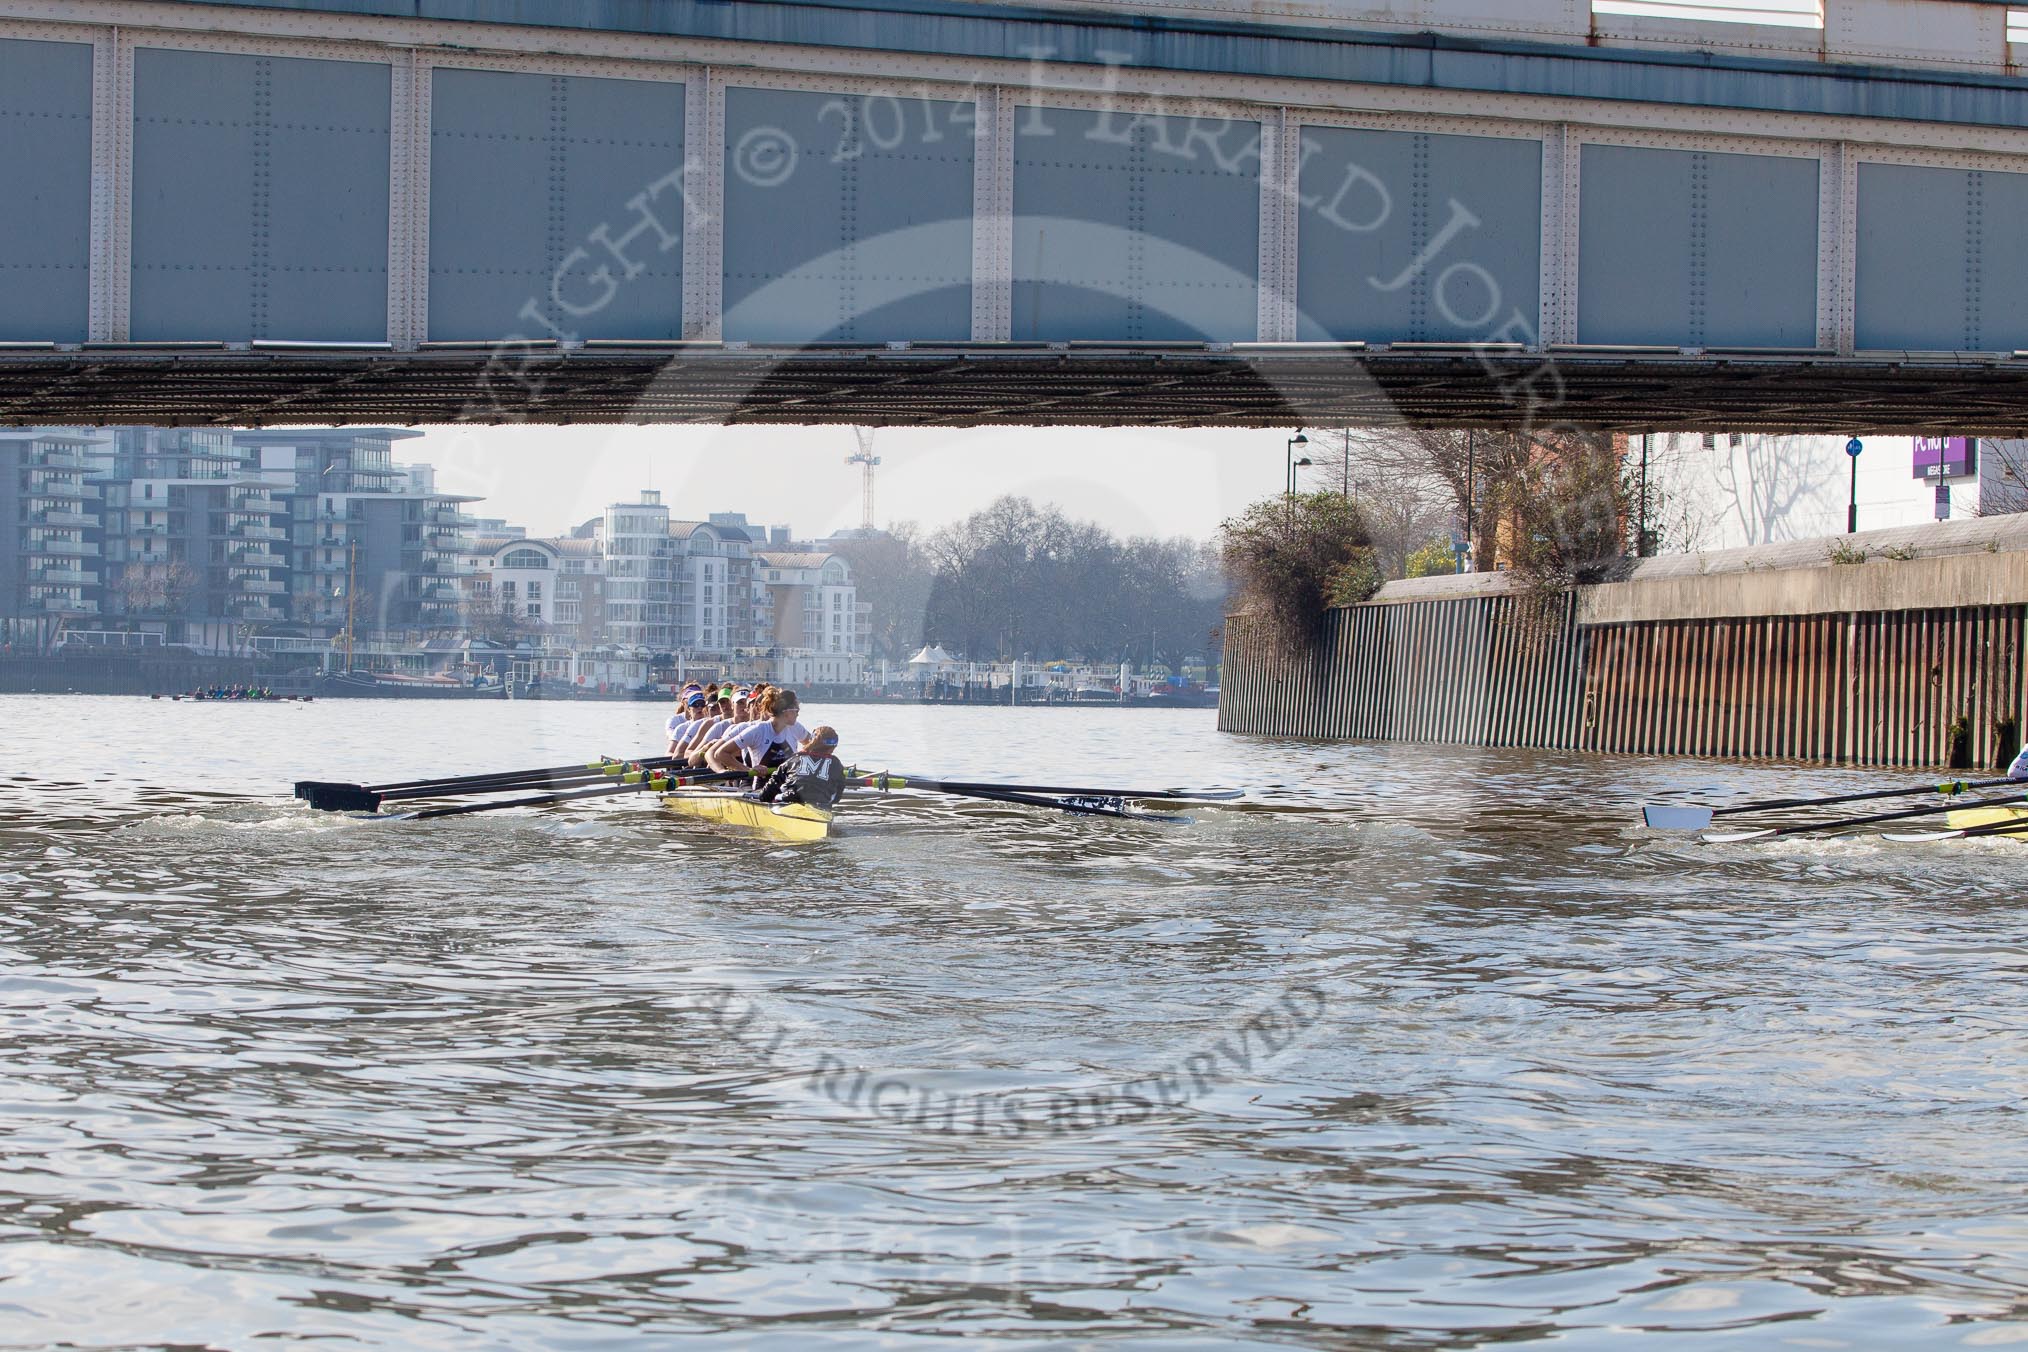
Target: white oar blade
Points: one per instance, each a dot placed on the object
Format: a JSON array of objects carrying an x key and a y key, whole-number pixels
[
  {"x": 1676, "y": 818},
  {"x": 1734, "y": 837},
  {"x": 1919, "y": 837}
]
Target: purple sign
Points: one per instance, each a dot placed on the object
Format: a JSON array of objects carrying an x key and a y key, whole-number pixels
[{"x": 1944, "y": 457}]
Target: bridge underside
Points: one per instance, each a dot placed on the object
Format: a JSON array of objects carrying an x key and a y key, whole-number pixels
[{"x": 962, "y": 385}]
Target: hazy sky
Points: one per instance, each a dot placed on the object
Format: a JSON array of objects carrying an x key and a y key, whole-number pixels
[{"x": 1133, "y": 482}]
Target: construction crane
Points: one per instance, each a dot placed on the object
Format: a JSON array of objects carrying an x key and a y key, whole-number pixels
[{"x": 867, "y": 460}]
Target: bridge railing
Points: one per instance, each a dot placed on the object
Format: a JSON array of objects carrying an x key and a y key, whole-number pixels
[{"x": 1988, "y": 34}]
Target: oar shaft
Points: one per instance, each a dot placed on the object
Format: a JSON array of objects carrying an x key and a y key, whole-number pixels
[
  {"x": 620, "y": 769},
  {"x": 883, "y": 780},
  {"x": 1896, "y": 816},
  {"x": 1948, "y": 787},
  {"x": 652, "y": 784},
  {"x": 1060, "y": 805},
  {"x": 414, "y": 787}
]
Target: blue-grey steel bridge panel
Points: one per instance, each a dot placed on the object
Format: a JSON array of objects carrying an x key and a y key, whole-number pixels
[
  {"x": 1696, "y": 249},
  {"x": 1943, "y": 259},
  {"x": 847, "y": 217},
  {"x": 46, "y": 165},
  {"x": 556, "y": 206},
  {"x": 1405, "y": 235},
  {"x": 1015, "y": 32},
  {"x": 260, "y": 197},
  {"x": 1135, "y": 227}
]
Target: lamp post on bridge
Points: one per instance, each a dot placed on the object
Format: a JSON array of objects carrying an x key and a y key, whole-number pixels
[
  {"x": 1852, "y": 449},
  {"x": 1294, "y": 464}
]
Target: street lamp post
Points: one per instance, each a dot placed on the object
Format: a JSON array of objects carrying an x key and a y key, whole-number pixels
[
  {"x": 1852, "y": 449},
  {"x": 1293, "y": 442}
]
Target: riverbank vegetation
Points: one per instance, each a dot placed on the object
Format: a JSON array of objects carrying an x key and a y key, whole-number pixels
[{"x": 1022, "y": 581}]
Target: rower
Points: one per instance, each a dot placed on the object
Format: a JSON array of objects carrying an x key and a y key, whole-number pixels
[
  {"x": 764, "y": 743},
  {"x": 710, "y": 718},
  {"x": 814, "y": 776},
  {"x": 2019, "y": 769},
  {"x": 689, "y": 710}
]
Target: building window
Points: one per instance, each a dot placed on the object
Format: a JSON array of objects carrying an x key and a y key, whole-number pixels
[
  {"x": 535, "y": 591},
  {"x": 1710, "y": 441},
  {"x": 507, "y": 591}
]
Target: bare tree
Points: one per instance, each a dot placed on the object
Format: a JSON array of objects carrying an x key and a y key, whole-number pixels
[
  {"x": 2003, "y": 477},
  {"x": 148, "y": 588},
  {"x": 1404, "y": 502}
]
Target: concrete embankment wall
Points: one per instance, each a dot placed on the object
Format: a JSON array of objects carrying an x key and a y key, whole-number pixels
[
  {"x": 122, "y": 674},
  {"x": 1913, "y": 657}
]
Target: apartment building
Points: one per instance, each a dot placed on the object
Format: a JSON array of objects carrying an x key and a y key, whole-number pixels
[
  {"x": 52, "y": 534},
  {"x": 209, "y": 536}
]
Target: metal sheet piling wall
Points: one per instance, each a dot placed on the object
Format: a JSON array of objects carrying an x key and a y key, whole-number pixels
[
  {"x": 1911, "y": 688},
  {"x": 1488, "y": 671}
]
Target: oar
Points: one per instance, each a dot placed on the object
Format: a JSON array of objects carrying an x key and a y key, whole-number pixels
[
  {"x": 630, "y": 772},
  {"x": 886, "y": 780},
  {"x": 455, "y": 782},
  {"x": 1732, "y": 837},
  {"x": 1666, "y": 817},
  {"x": 653, "y": 783},
  {"x": 334, "y": 797},
  {"x": 1062, "y": 805},
  {"x": 2008, "y": 828}
]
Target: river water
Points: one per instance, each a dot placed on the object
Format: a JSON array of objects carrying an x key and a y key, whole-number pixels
[{"x": 1413, "y": 1048}]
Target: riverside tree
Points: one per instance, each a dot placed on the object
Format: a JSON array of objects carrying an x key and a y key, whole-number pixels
[
  {"x": 1018, "y": 580},
  {"x": 1293, "y": 557}
]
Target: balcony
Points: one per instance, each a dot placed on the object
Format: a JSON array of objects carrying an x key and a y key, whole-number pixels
[
  {"x": 59, "y": 605},
  {"x": 254, "y": 556},
  {"x": 71, "y": 548},
  {"x": 259, "y": 586},
  {"x": 441, "y": 592},
  {"x": 328, "y": 566},
  {"x": 62, "y": 490},
  {"x": 251, "y": 608},
  {"x": 62, "y": 516},
  {"x": 61, "y": 459},
  {"x": 257, "y": 501},
  {"x": 247, "y": 530},
  {"x": 66, "y": 577}
]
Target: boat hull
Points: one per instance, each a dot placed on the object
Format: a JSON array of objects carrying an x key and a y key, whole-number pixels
[
  {"x": 1967, "y": 817},
  {"x": 783, "y": 821}
]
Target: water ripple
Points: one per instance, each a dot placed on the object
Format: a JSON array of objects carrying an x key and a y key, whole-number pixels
[{"x": 1418, "y": 1048}]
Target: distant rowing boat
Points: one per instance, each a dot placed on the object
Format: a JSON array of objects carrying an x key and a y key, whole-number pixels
[
  {"x": 782, "y": 821},
  {"x": 238, "y": 699}
]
